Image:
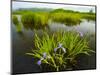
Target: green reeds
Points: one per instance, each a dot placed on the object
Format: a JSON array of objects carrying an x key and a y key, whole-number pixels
[
  {"x": 16, "y": 23},
  {"x": 40, "y": 19},
  {"x": 34, "y": 20},
  {"x": 59, "y": 49},
  {"x": 89, "y": 16},
  {"x": 66, "y": 18},
  {"x": 15, "y": 20}
]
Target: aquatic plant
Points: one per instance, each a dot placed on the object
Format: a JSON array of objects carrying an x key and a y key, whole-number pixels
[
  {"x": 34, "y": 20},
  {"x": 40, "y": 19},
  {"x": 60, "y": 49},
  {"x": 15, "y": 20},
  {"x": 16, "y": 23},
  {"x": 66, "y": 18},
  {"x": 89, "y": 16}
]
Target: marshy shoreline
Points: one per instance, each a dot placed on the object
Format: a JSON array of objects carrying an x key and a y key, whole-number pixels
[{"x": 26, "y": 23}]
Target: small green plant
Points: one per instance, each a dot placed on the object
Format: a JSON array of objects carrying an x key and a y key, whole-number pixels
[{"x": 60, "y": 49}]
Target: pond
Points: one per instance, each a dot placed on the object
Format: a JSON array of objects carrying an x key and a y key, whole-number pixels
[{"x": 22, "y": 42}]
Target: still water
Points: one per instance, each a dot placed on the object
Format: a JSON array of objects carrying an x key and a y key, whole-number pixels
[{"x": 22, "y": 42}]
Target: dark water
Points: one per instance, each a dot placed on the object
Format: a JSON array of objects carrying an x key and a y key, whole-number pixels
[{"x": 22, "y": 42}]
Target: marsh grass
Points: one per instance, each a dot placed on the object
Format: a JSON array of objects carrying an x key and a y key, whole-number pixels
[
  {"x": 16, "y": 23},
  {"x": 39, "y": 19},
  {"x": 72, "y": 42},
  {"x": 66, "y": 18},
  {"x": 15, "y": 20},
  {"x": 35, "y": 20},
  {"x": 89, "y": 16}
]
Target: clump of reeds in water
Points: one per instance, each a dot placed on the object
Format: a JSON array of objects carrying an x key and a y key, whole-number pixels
[
  {"x": 34, "y": 20},
  {"x": 59, "y": 50},
  {"x": 66, "y": 18},
  {"x": 88, "y": 16},
  {"x": 16, "y": 23},
  {"x": 39, "y": 19},
  {"x": 15, "y": 20}
]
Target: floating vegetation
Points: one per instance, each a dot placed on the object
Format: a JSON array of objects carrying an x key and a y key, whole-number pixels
[{"x": 60, "y": 50}]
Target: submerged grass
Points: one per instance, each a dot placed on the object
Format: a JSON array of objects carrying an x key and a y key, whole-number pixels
[{"x": 60, "y": 49}]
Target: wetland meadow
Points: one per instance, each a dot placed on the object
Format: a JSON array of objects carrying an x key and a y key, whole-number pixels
[{"x": 52, "y": 37}]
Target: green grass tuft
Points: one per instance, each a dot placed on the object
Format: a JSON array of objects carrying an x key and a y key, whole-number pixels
[
  {"x": 15, "y": 20},
  {"x": 34, "y": 20}
]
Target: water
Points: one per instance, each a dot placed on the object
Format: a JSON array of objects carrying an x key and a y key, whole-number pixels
[
  {"x": 22, "y": 42},
  {"x": 84, "y": 27}
]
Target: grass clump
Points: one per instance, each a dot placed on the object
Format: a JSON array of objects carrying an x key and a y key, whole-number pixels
[
  {"x": 59, "y": 50},
  {"x": 89, "y": 16},
  {"x": 66, "y": 18},
  {"x": 34, "y": 20},
  {"x": 16, "y": 23},
  {"x": 15, "y": 20}
]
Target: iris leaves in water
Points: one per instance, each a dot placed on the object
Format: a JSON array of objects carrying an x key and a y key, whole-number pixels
[{"x": 68, "y": 46}]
